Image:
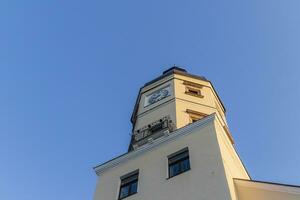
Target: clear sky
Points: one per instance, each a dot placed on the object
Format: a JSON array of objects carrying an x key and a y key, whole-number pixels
[{"x": 70, "y": 72}]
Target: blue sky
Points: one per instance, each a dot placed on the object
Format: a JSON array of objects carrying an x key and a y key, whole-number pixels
[{"x": 70, "y": 72}]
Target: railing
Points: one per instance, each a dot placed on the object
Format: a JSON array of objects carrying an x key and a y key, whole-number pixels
[{"x": 152, "y": 131}]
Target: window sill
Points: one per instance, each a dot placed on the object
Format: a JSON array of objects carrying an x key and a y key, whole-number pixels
[
  {"x": 195, "y": 95},
  {"x": 127, "y": 196},
  {"x": 179, "y": 174}
]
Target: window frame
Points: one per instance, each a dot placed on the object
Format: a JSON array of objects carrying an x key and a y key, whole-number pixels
[
  {"x": 126, "y": 182},
  {"x": 195, "y": 115},
  {"x": 193, "y": 89},
  {"x": 178, "y": 158}
]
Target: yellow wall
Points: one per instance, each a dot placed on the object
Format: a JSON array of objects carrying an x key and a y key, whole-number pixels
[
  {"x": 205, "y": 180},
  {"x": 232, "y": 164},
  {"x": 208, "y": 104},
  {"x": 151, "y": 113},
  {"x": 178, "y": 102},
  {"x": 215, "y": 165}
]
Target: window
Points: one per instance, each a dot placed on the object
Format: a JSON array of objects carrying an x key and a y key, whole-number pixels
[
  {"x": 193, "y": 91},
  {"x": 194, "y": 119},
  {"x": 179, "y": 162},
  {"x": 156, "y": 127},
  {"x": 195, "y": 115},
  {"x": 129, "y": 184}
]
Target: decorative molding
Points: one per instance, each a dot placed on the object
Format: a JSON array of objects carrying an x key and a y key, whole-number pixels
[
  {"x": 193, "y": 89},
  {"x": 145, "y": 129},
  {"x": 157, "y": 95},
  {"x": 193, "y": 112},
  {"x": 193, "y": 92},
  {"x": 193, "y": 84},
  {"x": 195, "y": 115},
  {"x": 149, "y": 147},
  {"x": 155, "y": 107},
  {"x": 228, "y": 134},
  {"x": 143, "y": 90},
  {"x": 153, "y": 130},
  {"x": 193, "y": 102},
  {"x": 159, "y": 83}
]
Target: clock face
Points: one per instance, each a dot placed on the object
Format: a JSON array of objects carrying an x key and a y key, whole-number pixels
[{"x": 157, "y": 96}]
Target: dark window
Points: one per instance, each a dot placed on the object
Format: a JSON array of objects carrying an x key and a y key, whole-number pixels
[
  {"x": 193, "y": 91},
  {"x": 194, "y": 120},
  {"x": 179, "y": 162},
  {"x": 156, "y": 127},
  {"x": 129, "y": 184},
  {"x": 196, "y": 92}
]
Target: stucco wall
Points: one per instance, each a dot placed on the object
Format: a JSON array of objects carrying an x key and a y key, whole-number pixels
[
  {"x": 232, "y": 164},
  {"x": 153, "y": 112},
  {"x": 206, "y": 180},
  {"x": 178, "y": 102}
]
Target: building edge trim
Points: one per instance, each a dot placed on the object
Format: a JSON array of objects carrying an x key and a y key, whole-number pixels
[
  {"x": 148, "y": 147},
  {"x": 270, "y": 186},
  {"x": 233, "y": 147}
]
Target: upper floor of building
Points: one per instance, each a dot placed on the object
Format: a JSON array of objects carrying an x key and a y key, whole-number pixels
[{"x": 172, "y": 101}]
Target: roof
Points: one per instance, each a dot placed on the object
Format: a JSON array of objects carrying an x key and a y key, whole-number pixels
[
  {"x": 174, "y": 70},
  {"x": 150, "y": 146}
]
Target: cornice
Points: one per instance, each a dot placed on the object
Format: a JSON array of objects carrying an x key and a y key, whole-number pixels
[
  {"x": 166, "y": 102},
  {"x": 156, "y": 143},
  {"x": 275, "y": 187}
]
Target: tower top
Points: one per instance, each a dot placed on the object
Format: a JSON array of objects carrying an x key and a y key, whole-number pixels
[
  {"x": 175, "y": 70},
  {"x": 171, "y": 101}
]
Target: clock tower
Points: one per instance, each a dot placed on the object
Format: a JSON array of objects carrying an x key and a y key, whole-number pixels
[
  {"x": 181, "y": 149},
  {"x": 172, "y": 101}
]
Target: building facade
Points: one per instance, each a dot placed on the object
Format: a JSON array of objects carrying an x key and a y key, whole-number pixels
[{"x": 181, "y": 149}]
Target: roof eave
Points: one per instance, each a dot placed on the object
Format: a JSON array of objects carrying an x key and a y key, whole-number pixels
[{"x": 177, "y": 133}]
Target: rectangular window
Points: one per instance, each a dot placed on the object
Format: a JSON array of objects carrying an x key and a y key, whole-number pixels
[
  {"x": 156, "y": 127},
  {"x": 179, "y": 162},
  {"x": 193, "y": 91},
  {"x": 129, "y": 184},
  {"x": 195, "y": 115}
]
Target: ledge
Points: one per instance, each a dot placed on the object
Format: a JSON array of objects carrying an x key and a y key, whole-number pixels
[
  {"x": 148, "y": 147},
  {"x": 270, "y": 186}
]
